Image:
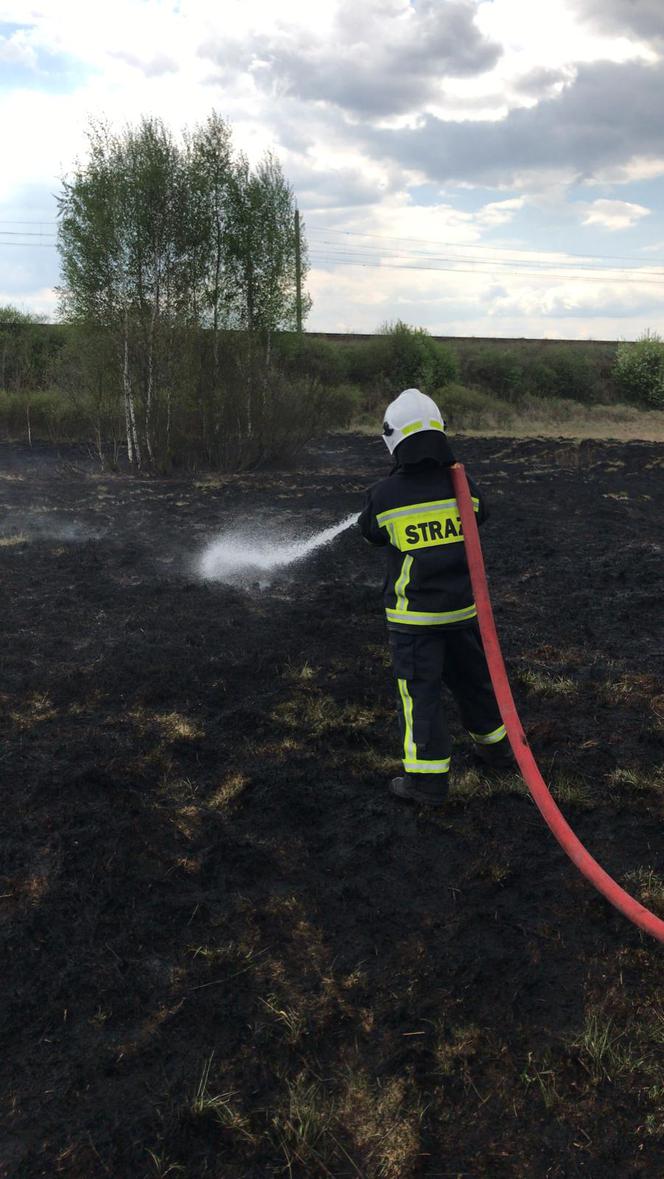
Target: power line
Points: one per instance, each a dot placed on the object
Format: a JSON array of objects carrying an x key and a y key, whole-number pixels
[
  {"x": 370, "y": 251},
  {"x": 32, "y": 245},
  {"x": 25, "y": 233},
  {"x": 470, "y": 246},
  {"x": 421, "y": 241},
  {"x": 348, "y": 258},
  {"x": 337, "y": 261}
]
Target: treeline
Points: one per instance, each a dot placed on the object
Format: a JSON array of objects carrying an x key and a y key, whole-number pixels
[
  {"x": 61, "y": 382},
  {"x": 182, "y": 300}
]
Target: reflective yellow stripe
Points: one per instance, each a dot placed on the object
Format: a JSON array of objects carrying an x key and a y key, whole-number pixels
[
  {"x": 412, "y": 428},
  {"x": 433, "y": 505},
  {"x": 489, "y": 738},
  {"x": 409, "y": 747},
  {"x": 436, "y": 425},
  {"x": 427, "y": 767},
  {"x": 443, "y": 618},
  {"x": 402, "y": 583}
]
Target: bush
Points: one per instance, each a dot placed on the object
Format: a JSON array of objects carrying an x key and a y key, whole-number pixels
[
  {"x": 639, "y": 370},
  {"x": 342, "y": 405},
  {"x": 48, "y": 415},
  {"x": 303, "y": 356},
  {"x": 411, "y": 359},
  {"x": 496, "y": 369},
  {"x": 401, "y": 357},
  {"x": 472, "y": 409},
  {"x": 293, "y": 413},
  {"x": 549, "y": 409},
  {"x": 562, "y": 372}
]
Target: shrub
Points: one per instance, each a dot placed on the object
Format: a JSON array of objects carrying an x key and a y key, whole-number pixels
[
  {"x": 304, "y": 356},
  {"x": 410, "y": 358},
  {"x": 562, "y": 372},
  {"x": 48, "y": 415},
  {"x": 639, "y": 370},
  {"x": 292, "y": 414},
  {"x": 472, "y": 409},
  {"x": 496, "y": 369},
  {"x": 341, "y": 405},
  {"x": 549, "y": 409}
]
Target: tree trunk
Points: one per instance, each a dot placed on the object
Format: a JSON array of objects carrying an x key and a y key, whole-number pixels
[
  {"x": 148, "y": 395},
  {"x": 168, "y": 425},
  {"x": 100, "y": 444},
  {"x": 249, "y": 277},
  {"x": 150, "y": 386},
  {"x": 217, "y": 284},
  {"x": 133, "y": 449}
]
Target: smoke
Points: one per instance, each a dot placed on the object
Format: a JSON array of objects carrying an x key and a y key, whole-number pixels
[
  {"x": 234, "y": 556},
  {"x": 36, "y": 526}
]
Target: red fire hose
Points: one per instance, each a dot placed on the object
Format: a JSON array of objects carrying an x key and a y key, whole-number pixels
[{"x": 517, "y": 738}]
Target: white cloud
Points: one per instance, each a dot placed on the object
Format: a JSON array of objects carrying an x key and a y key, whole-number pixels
[
  {"x": 15, "y": 50},
  {"x": 614, "y": 214},
  {"x": 500, "y": 212},
  {"x": 627, "y": 172},
  {"x": 545, "y": 100},
  {"x": 43, "y": 301}
]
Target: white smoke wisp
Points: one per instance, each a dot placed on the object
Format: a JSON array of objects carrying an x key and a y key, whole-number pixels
[
  {"x": 37, "y": 526},
  {"x": 236, "y": 557}
]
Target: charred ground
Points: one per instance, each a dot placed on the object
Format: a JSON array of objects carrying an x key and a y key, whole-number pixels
[{"x": 227, "y": 953}]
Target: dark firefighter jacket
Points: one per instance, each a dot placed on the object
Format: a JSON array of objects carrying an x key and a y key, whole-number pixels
[{"x": 414, "y": 513}]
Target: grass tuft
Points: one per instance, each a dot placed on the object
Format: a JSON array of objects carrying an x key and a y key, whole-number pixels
[
  {"x": 650, "y": 887},
  {"x": 206, "y": 1103},
  {"x": 542, "y": 684},
  {"x": 602, "y": 1050},
  {"x": 543, "y": 1077}
]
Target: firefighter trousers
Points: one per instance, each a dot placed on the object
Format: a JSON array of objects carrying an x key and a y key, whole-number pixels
[{"x": 422, "y": 663}]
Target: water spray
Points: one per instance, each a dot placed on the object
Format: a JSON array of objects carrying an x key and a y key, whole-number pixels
[{"x": 236, "y": 556}]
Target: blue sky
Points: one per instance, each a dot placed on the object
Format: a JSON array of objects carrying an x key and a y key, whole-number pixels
[{"x": 479, "y": 167}]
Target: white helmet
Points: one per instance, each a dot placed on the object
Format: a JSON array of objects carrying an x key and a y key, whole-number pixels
[{"x": 411, "y": 413}]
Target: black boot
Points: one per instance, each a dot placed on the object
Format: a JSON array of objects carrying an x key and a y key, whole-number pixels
[
  {"x": 429, "y": 789},
  {"x": 498, "y": 757}
]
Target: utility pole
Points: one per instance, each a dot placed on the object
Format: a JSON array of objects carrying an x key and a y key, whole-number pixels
[{"x": 298, "y": 273}]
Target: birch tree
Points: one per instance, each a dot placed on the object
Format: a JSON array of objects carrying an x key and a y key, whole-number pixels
[
  {"x": 210, "y": 168},
  {"x": 262, "y": 248},
  {"x": 164, "y": 245},
  {"x": 122, "y": 241},
  {"x": 95, "y": 257}
]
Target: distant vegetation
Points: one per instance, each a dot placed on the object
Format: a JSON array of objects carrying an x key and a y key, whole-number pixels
[
  {"x": 182, "y": 301},
  {"x": 63, "y": 383}
]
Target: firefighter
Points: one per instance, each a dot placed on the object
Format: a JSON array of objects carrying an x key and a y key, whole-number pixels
[{"x": 431, "y": 616}]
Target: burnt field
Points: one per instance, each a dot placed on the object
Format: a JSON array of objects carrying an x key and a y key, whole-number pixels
[{"x": 226, "y": 952}]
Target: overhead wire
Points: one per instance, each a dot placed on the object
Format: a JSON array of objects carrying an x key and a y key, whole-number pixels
[
  {"x": 373, "y": 251},
  {"x": 522, "y": 256},
  {"x": 393, "y": 258},
  {"x": 327, "y": 252},
  {"x": 461, "y": 245},
  {"x": 32, "y": 245},
  {"x": 27, "y": 233},
  {"x": 339, "y": 260}
]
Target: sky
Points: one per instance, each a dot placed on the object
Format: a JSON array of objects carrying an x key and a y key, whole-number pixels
[{"x": 474, "y": 167}]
